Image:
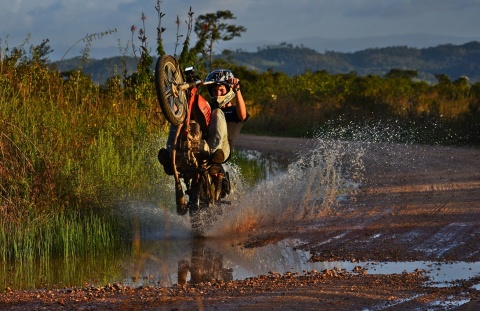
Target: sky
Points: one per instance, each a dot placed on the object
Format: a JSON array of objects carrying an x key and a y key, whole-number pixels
[{"x": 65, "y": 22}]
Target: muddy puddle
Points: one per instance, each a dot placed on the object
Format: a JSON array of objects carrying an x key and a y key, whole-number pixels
[
  {"x": 168, "y": 259},
  {"x": 167, "y": 262}
]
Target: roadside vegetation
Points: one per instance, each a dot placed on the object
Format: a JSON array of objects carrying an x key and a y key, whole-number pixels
[
  {"x": 68, "y": 149},
  {"x": 341, "y": 105},
  {"x": 71, "y": 150}
]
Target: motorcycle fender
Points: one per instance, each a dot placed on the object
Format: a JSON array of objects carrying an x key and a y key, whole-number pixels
[{"x": 204, "y": 108}]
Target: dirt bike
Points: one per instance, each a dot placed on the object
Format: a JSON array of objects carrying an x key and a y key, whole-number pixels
[{"x": 185, "y": 108}]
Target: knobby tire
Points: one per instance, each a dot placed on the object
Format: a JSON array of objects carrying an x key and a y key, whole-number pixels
[
  {"x": 200, "y": 206},
  {"x": 167, "y": 76}
]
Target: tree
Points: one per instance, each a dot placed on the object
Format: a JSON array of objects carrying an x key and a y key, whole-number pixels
[
  {"x": 189, "y": 56},
  {"x": 39, "y": 53},
  {"x": 401, "y": 74},
  {"x": 212, "y": 26}
]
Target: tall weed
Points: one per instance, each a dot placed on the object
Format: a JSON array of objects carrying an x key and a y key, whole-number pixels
[{"x": 67, "y": 148}]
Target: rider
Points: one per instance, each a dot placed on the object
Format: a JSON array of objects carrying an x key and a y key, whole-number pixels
[
  {"x": 227, "y": 118},
  {"x": 226, "y": 121}
]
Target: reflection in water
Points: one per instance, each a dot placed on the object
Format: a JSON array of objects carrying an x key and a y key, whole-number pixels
[
  {"x": 165, "y": 263},
  {"x": 256, "y": 165},
  {"x": 205, "y": 265},
  {"x": 62, "y": 272}
]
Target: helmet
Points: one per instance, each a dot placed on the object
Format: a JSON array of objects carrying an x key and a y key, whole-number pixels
[{"x": 219, "y": 76}]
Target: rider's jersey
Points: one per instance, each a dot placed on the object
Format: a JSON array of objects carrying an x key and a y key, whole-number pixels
[{"x": 234, "y": 125}]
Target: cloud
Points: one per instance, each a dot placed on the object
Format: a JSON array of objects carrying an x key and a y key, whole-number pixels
[
  {"x": 401, "y": 9},
  {"x": 267, "y": 21}
]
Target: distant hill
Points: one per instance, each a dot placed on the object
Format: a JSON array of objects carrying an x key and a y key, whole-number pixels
[
  {"x": 452, "y": 60},
  {"x": 100, "y": 69},
  {"x": 350, "y": 45}
]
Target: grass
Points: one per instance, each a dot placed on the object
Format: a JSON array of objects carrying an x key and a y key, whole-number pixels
[
  {"x": 70, "y": 151},
  {"x": 67, "y": 234}
]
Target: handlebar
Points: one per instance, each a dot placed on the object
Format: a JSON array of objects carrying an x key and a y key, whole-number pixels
[{"x": 186, "y": 86}]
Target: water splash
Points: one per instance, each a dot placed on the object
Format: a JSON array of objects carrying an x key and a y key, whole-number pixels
[
  {"x": 151, "y": 222},
  {"x": 313, "y": 184},
  {"x": 318, "y": 180}
]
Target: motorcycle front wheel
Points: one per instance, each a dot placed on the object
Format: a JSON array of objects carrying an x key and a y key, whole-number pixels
[
  {"x": 168, "y": 76},
  {"x": 200, "y": 205}
]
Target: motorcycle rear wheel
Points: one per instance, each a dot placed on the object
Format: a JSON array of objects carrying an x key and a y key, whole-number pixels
[{"x": 174, "y": 103}]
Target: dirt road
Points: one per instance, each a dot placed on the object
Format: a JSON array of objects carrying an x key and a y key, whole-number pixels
[
  {"x": 416, "y": 203},
  {"x": 422, "y": 202}
]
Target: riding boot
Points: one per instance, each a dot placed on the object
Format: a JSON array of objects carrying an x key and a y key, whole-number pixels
[
  {"x": 226, "y": 188},
  {"x": 218, "y": 183},
  {"x": 217, "y": 157}
]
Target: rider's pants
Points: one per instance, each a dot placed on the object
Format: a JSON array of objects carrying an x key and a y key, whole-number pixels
[{"x": 218, "y": 133}]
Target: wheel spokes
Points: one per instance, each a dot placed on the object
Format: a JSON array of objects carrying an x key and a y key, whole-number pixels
[{"x": 176, "y": 99}]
